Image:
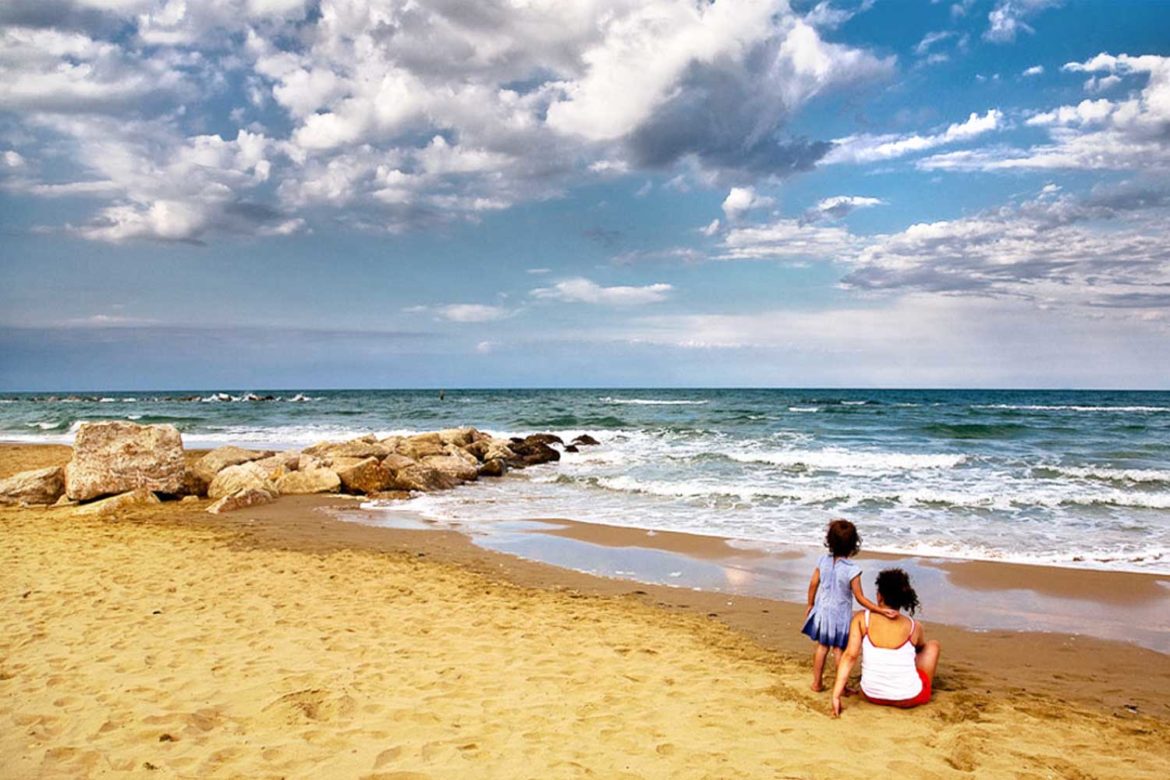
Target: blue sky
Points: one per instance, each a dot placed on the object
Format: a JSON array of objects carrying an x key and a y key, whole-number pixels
[{"x": 350, "y": 193}]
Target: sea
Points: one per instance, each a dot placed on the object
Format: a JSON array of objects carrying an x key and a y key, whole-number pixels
[{"x": 1067, "y": 478}]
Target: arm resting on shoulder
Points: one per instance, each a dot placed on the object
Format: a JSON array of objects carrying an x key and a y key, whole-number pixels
[
  {"x": 848, "y": 660},
  {"x": 858, "y": 594}
]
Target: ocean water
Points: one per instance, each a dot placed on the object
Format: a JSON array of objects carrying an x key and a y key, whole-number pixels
[{"x": 1069, "y": 478}]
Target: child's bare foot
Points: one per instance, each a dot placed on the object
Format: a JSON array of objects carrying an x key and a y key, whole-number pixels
[
  {"x": 817, "y": 687},
  {"x": 851, "y": 691}
]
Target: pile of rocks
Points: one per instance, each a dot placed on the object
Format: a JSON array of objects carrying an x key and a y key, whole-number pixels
[{"x": 121, "y": 464}]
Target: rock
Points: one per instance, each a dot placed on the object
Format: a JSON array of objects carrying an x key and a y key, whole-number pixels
[
  {"x": 496, "y": 467},
  {"x": 460, "y": 437},
  {"x": 189, "y": 500},
  {"x": 394, "y": 462},
  {"x": 571, "y": 448},
  {"x": 305, "y": 462},
  {"x": 40, "y": 486},
  {"x": 241, "y": 500},
  {"x": 453, "y": 466},
  {"x": 312, "y": 480},
  {"x": 533, "y": 450},
  {"x": 233, "y": 479},
  {"x": 114, "y": 457},
  {"x": 365, "y": 476},
  {"x": 220, "y": 458},
  {"x": 421, "y": 446},
  {"x": 276, "y": 465},
  {"x": 65, "y": 501},
  {"x": 543, "y": 438},
  {"x": 421, "y": 478},
  {"x": 585, "y": 439},
  {"x": 134, "y": 498},
  {"x": 357, "y": 449}
]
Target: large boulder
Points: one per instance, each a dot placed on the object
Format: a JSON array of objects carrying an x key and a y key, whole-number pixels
[
  {"x": 42, "y": 486},
  {"x": 453, "y": 466},
  {"x": 114, "y": 457},
  {"x": 585, "y": 439},
  {"x": 221, "y": 457},
  {"x": 358, "y": 448},
  {"x": 241, "y": 500},
  {"x": 533, "y": 450},
  {"x": 233, "y": 479},
  {"x": 460, "y": 437},
  {"x": 311, "y": 480},
  {"x": 130, "y": 500},
  {"x": 418, "y": 477},
  {"x": 421, "y": 446},
  {"x": 393, "y": 462},
  {"x": 364, "y": 476},
  {"x": 38, "y": 487}
]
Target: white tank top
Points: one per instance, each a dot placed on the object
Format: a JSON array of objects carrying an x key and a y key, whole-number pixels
[{"x": 889, "y": 672}]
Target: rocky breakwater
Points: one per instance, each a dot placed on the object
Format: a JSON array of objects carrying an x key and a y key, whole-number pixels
[{"x": 117, "y": 465}]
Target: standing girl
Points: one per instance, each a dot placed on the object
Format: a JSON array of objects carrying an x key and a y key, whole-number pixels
[{"x": 835, "y": 583}]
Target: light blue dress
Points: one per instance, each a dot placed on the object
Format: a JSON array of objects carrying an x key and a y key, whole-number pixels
[{"x": 828, "y": 623}]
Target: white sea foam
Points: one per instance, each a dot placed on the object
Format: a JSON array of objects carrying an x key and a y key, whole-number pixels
[
  {"x": 44, "y": 426},
  {"x": 1113, "y": 475},
  {"x": 651, "y": 402},
  {"x": 849, "y": 460},
  {"x": 804, "y": 408}
]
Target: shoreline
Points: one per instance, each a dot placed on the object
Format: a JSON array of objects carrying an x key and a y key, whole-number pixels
[
  {"x": 1111, "y": 677},
  {"x": 282, "y": 640}
]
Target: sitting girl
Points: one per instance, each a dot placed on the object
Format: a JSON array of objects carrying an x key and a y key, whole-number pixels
[{"x": 897, "y": 661}]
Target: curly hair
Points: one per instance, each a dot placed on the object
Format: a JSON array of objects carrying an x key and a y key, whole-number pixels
[
  {"x": 842, "y": 539},
  {"x": 893, "y": 585}
]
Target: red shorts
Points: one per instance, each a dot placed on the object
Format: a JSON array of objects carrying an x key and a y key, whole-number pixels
[{"x": 922, "y": 698}]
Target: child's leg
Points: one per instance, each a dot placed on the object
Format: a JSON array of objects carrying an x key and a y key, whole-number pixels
[{"x": 819, "y": 656}]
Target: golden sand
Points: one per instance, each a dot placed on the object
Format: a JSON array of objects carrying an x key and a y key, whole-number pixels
[{"x": 151, "y": 646}]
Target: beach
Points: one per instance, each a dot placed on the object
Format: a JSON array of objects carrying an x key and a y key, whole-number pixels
[{"x": 282, "y": 641}]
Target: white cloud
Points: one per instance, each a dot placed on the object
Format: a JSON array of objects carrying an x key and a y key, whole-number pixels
[
  {"x": 1035, "y": 70},
  {"x": 581, "y": 290},
  {"x": 741, "y": 200},
  {"x": 407, "y": 114},
  {"x": 472, "y": 312},
  {"x": 872, "y": 148},
  {"x": 788, "y": 240},
  {"x": 1129, "y": 133},
  {"x": 930, "y": 39},
  {"x": 1006, "y": 19}
]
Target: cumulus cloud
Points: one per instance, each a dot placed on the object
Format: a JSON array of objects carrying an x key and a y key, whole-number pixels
[
  {"x": 1128, "y": 133},
  {"x": 1007, "y": 19},
  {"x": 581, "y": 290},
  {"x": 867, "y": 148},
  {"x": 1104, "y": 250},
  {"x": 1035, "y": 70},
  {"x": 741, "y": 200},
  {"x": 395, "y": 114}
]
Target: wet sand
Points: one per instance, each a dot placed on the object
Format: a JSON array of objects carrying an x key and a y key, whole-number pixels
[{"x": 282, "y": 641}]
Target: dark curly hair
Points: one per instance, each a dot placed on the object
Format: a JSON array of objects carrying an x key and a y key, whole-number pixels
[
  {"x": 842, "y": 539},
  {"x": 893, "y": 585}
]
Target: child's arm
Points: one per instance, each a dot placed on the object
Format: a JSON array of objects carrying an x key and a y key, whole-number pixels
[
  {"x": 813, "y": 584},
  {"x": 863, "y": 601}
]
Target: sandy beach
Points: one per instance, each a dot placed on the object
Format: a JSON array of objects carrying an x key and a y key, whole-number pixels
[{"x": 282, "y": 641}]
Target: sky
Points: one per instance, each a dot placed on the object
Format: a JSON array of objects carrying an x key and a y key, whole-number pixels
[{"x": 255, "y": 194}]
